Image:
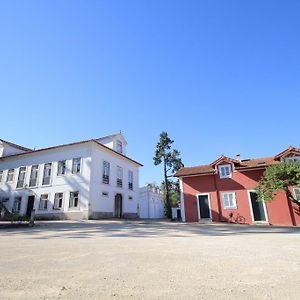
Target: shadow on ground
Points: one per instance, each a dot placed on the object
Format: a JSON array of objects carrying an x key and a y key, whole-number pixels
[{"x": 112, "y": 228}]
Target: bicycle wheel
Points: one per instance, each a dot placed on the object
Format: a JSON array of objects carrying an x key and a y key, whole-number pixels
[{"x": 240, "y": 220}]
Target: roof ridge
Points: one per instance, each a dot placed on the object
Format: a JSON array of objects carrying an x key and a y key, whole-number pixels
[{"x": 16, "y": 145}]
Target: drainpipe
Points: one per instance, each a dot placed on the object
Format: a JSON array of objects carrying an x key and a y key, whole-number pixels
[
  {"x": 291, "y": 209},
  {"x": 218, "y": 199}
]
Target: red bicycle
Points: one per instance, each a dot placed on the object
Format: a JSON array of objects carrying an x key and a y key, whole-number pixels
[{"x": 238, "y": 220}]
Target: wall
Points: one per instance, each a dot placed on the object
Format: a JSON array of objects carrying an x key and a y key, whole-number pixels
[
  {"x": 6, "y": 149},
  {"x": 66, "y": 184},
  {"x": 104, "y": 205},
  {"x": 241, "y": 183}
]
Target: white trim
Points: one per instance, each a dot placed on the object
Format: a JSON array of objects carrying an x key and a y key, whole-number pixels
[
  {"x": 251, "y": 208},
  {"x": 182, "y": 201},
  {"x": 225, "y": 166},
  {"x": 223, "y": 204},
  {"x": 198, "y": 206}
]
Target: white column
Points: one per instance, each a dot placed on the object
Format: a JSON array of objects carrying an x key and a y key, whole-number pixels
[{"x": 181, "y": 200}]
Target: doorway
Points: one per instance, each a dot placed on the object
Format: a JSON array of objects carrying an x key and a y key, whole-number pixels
[
  {"x": 203, "y": 207},
  {"x": 30, "y": 205},
  {"x": 118, "y": 206},
  {"x": 258, "y": 208}
]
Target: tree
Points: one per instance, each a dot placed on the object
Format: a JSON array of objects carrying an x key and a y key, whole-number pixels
[
  {"x": 171, "y": 163},
  {"x": 279, "y": 177}
]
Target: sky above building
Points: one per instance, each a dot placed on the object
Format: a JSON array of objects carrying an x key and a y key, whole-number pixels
[{"x": 221, "y": 77}]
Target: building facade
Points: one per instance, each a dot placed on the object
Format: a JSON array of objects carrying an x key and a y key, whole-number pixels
[
  {"x": 224, "y": 190},
  {"x": 151, "y": 204},
  {"x": 89, "y": 179}
]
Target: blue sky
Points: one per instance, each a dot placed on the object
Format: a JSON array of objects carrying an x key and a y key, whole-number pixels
[{"x": 221, "y": 77}]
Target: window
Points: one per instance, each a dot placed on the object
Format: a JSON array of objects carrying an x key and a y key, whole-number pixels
[
  {"x": 297, "y": 194},
  {"x": 74, "y": 200},
  {"x": 106, "y": 170},
  {"x": 130, "y": 180},
  {"x": 119, "y": 176},
  {"x": 47, "y": 173},
  {"x": 225, "y": 171},
  {"x": 34, "y": 175},
  {"x": 43, "y": 202},
  {"x": 119, "y": 146},
  {"x": 61, "y": 167},
  {"x": 76, "y": 164},
  {"x": 292, "y": 159},
  {"x": 17, "y": 204},
  {"x": 21, "y": 178},
  {"x": 10, "y": 175},
  {"x": 130, "y": 197},
  {"x": 105, "y": 194},
  {"x": 58, "y": 200},
  {"x": 1, "y": 175},
  {"x": 229, "y": 200}
]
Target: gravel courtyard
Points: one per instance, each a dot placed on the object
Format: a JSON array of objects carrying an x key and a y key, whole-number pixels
[{"x": 149, "y": 260}]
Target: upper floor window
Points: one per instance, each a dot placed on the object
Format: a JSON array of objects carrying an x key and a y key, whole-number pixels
[
  {"x": 119, "y": 146},
  {"x": 297, "y": 194},
  {"x": 1, "y": 175},
  {"x": 17, "y": 204},
  {"x": 119, "y": 176},
  {"x": 106, "y": 171},
  {"x": 10, "y": 175},
  {"x": 229, "y": 200},
  {"x": 33, "y": 175},
  {"x": 21, "y": 177},
  {"x": 61, "y": 167},
  {"x": 74, "y": 200},
  {"x": 58, "y": 201},
  {"x": 130, "y": 180},
  {"x": 47, "y": 173},
  {"x": 43, "y": 202},
  {"x": 292, "y": 159},
  {"x": 76, "y": 165},
  {"x": 225, "y": 171}
]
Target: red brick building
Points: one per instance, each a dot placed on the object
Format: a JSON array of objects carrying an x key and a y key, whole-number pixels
[{"x": 214, "y": 191}]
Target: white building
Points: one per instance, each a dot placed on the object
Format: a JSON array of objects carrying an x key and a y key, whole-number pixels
[
  {"x": 88, "y": 179},
  {"x": 151, "y": 204}
]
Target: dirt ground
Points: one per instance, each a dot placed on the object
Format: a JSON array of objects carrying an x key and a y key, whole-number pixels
[{"x": 149, "y": 260}]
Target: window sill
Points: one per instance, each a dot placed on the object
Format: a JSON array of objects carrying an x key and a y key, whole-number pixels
[{"x": 230, "y": 208}]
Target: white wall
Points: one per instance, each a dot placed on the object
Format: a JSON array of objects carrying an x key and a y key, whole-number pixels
[
  {"x": 6, "y": 149},
  {"x": 102, "y": 203}
]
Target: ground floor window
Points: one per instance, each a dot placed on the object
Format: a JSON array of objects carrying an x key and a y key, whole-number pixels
[
  {"x": 58, "y": 201},
  {"x": 43, "y": 202},
  {"x": 297, "y": 194},
  {"x": 74, "y": 200},
  {"x": 229, "y": 200},
  {"x": 17, "y": 204}
]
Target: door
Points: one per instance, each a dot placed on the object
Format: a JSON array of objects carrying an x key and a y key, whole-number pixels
[
  {"x": 204, "y": 208},
  {"x": 118, "y": 206},
  {"x": 30, "y": 204},
  {"x": 258, "y": 208}
]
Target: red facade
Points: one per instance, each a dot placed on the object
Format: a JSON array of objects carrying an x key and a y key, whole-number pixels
[{"x": 204, "y": 184}]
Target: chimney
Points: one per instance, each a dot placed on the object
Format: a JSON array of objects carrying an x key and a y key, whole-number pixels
[{"x": 238, "y": 157}]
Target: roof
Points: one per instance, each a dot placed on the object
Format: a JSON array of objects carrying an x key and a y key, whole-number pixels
[
  {"x": 112, "y": 136},
  {"x": 241, "y": 165},
  {"x": 15, "y": 145},
  {"x": 30, "y": 151}
]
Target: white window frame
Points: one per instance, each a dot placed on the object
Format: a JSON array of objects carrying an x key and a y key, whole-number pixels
[
  {"x": 74, "y": 207},
  {"x": 234, "y": 204},
  {"x": 295, "y": 194},
  {"x": 44, "y": 200},
  {"x": 55, "y": 201},
  {"x": 130, "y": 180},
  {"x": 226, "y": 174},
  {"x": 292, "y": 159},
  {"x": 198, "y": 205},
  {"x": 37, "y": 176},
  {"x": 22, "y": 172},
  {"x": 17, "y": 204},
  {"x": 44, "y": 173},
  {"x": 61, "y": 167},
  {"x": 1, "y": 176},
  {"x": 251, "y": 208},
  {"x": 119, "y": 177},
  {"x": 10, "y": 172},
  {"x": 119, "y": 146},
  {"x": 106, "y": 172},
  {"x": 73, "y": 165}
]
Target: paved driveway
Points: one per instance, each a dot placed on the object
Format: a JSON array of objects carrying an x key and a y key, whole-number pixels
[{"x": 149, "y": 260}]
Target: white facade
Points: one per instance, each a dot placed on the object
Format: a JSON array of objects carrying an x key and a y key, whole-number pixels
[
  {"x": 79, "y": 195},
  {"x": 151, "y": 204}
]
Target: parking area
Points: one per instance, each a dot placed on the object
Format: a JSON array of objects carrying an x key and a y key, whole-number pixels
[{"x": 149, "y": 260}]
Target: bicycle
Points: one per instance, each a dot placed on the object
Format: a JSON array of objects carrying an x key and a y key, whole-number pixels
[{"x": 238, "y": 220}]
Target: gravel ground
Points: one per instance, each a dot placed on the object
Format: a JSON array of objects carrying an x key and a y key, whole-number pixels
[{"x": 149, "y": 260}]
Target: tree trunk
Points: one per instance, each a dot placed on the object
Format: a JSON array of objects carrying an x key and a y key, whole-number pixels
[{"x": 168, "y": 205}]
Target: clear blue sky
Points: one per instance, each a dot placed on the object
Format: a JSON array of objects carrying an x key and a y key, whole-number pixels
[{"x": 222, "y": 77}]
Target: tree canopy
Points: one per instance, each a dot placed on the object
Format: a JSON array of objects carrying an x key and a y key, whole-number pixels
[{"x": 279, "y": 177}]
